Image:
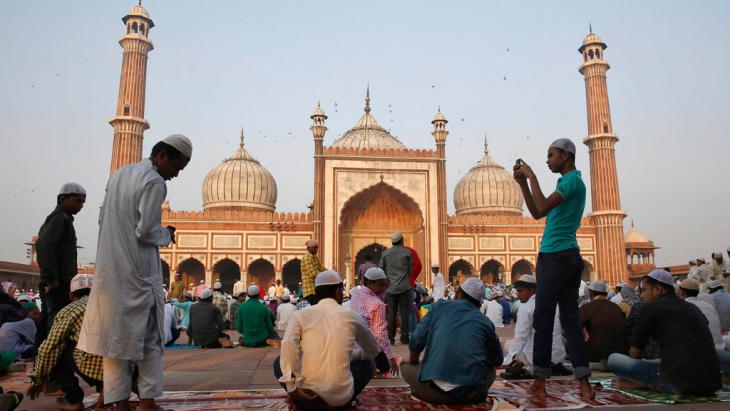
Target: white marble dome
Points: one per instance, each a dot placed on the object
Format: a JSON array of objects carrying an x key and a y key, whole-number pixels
[{"x": 367, "y": 133}]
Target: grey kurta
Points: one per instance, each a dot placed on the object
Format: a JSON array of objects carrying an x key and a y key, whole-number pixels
[{"x": 128, "y": 275}]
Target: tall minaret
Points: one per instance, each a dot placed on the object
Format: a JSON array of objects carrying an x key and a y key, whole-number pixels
[
  {"x": 439, "y": 134},
  {"x": 129, "y": 123},
  {"x": 318, "y": 131},
  {"x": 607, "y": 214}
]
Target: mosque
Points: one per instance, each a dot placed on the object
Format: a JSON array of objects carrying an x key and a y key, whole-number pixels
[{"x": 368, "y": 184}]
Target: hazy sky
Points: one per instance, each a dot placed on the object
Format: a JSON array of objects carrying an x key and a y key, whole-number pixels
[{"x": 218, "y": 66}]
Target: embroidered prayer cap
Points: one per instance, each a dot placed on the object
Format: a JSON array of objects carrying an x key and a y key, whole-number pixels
[
  {"x": 181, "y": 144},
  {"x": 714, "y": 284},
  {"x": 474, "y": 288},
  {"x": 329, "y": 277},
  {"x": 564, "y": 144},
  {"x": 253, "y": 290},
  {"x": 662, "y": 276},
  {"x": 81, "y": 281},
  {"x": 690, "y": 284},
  {"x": 598, "y": 286},
  {"x": 71, "y": 188},
  {"x": 396, "y": 237},
  {"x": 375, "y": 273},
  {"x": 206, "y": 293}
]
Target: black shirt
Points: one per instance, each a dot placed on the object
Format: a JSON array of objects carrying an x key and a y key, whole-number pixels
[
  {"x": 688, "y": 358},
  {"x": 56, "y": 247},
  {"x": 206, "y": 323},
  {"x": 606, "y": 326}
]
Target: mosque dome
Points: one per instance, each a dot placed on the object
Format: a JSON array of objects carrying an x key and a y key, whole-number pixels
[
  {"x": 138, "y": 11},
  {"x": 488, "y": 189},
  {"x": 592, "y": 38},
  {"x": 367, "y": 133},
  {"x": 239, "y": 183},
  {"x": 635, "y": 236}
]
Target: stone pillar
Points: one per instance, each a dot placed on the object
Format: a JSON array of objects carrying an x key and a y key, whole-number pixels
[
  {"x": 318, "y": 131},
  {"x": 440, "y": 133}
]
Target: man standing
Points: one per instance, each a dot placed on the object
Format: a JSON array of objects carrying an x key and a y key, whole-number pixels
[
  {"x": 438, "y": 285},
  {"x": 177, "y": 288},
  {"x": 362, "y": 268},
  {"x": 716, "y": 266},
  {"x": 238, "y": 288},
  {"x": 397, "y": 264},
  {"x": 279, "y": 291},
  {"x": 56, "y": 248},
  {"x": 310, "y": 267},
  {"x": 462, "y": 351},
  {"x": 605, "y": 324},
  {"x": 559, "y": 264},
  {"x": 219, "y": 299},
  {"x": 199, "y": 289},
  {"x": 125, "y": 317}
]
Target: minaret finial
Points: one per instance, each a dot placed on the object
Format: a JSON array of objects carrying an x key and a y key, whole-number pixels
[
  {"x": 140, "y": 2},
  {"x": 241, "y": 137},
  {"x": 486, "y": 145},
  {"x": 632, "y": 223},
  {"x": 590, "y": 28},
  {"x": 367, "y": 99}
]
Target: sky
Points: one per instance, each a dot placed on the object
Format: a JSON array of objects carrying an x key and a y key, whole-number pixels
[{"x": 505, "y": 68}]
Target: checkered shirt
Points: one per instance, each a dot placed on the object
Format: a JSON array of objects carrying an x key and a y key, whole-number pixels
[
  {"x": 221, "y": 301},
  {"x": 66, "y": 326},
  {"x": 310, "y": 268},
  {"x": 372, "y": 309},
  {"x": 302, "y": 304}
]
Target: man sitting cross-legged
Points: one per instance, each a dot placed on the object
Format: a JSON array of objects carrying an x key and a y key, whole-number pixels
[
  {"x": 604, "y": 324},
  {"x": 207, "y": 323},
  {"x": 689, "y": 364},
  {"x": 254, "y": 321},
  {"x": 462, "y": 351},
  {"x": 315, "y": 367}
]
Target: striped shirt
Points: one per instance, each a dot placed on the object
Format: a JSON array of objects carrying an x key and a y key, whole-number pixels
[
  {"x": 372, "y": 309},
  {"x": 66, "y": 327}
]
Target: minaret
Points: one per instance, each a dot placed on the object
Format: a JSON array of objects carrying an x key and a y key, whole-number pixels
[
  {"x": 129, "y": 123},
  {"x": 607, "y": 214},
  {"x": 439, "y": 134},
  {"x": 318, "y": 131}
]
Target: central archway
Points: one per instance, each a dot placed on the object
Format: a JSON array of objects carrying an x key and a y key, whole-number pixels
[
  {"x": 261, "y": 272},
  {"x": 459, "y": 270},
  {"x": 291, "y": 274},
  {"x": 192, "y": 271},
  {"x": 521, "y": 267},
  {"x": 491, "y": 272},
  {"x": 229, "y": 272},
  {"x": 373, "y": 251},
  {"x": 369, "y": 217}
]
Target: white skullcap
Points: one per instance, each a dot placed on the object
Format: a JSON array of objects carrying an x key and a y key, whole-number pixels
[
  {"x": 396, "y": 237},
  {"x": 253, "y": 290},
  {"x": 329, "y": 277},
  {"x": 598, "y": 286},
  {"x": 81, "y": 281},
  {"x": 202, "y": 281},
  {"x": 527, "y": 279},
  {"x": 206, "y": 293},
  {"x": 714, "y": 284},
  {"x": 24, "y": 297},
  {"x": 181, "y": 143},
  {"x": 701, "y": 259},
  {"x": 217, "y": 286},
  {"x": 293, "y": 299},
  {"x": 662, "y": 276},
  {"x": 728, "y": 249},
  {"x": 177, "y": 274},
  {"x": 564, "y": 144},
  {"x": 474, "y": 288},
  {"x": 286, "y": 295},
  {"x": 716, "y": 255},
  {"x": 311, "y": 243},
  {"x": 435, "y": 265},
  {"x": 375, "y": 273},
  {"x": 498, "y": 294},
  {"x": 72, "y": 188}
]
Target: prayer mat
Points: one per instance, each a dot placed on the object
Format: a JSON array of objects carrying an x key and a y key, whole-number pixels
[
  {"x": 563, "y": 394},
  {"x": 181, "y": 347},
  {"x": 16, "y": 378},
  {"x": 653, "y": 396}
]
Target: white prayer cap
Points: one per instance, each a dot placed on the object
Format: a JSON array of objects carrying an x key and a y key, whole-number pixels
[
  {"x": 207, "y": 292},
  {"x": 619, "y": 284},
  {"x": 701, "y": 259},
  {"x": 662, "y": 276},
  {"x": 728, "y": 249},
  {"x": 81, "y": 281},
  {"x": 714, "y": 284},
  {"x": 374, "y": 274},
  {"x": 564, "y": 144},
  {"x": 329, "y": 277},
  {"x": 311, "y": 243},
  {"x": 286, "y": 295},
  {"x": 435, "y": 265},
  {"x": 716, "y": 255},
  {"x": 396, "y": 237},
  {"x": 24, "y": 298},
  {"x": 240, "y": 293},
  {"x": 202, "y": 281},
  {"x": 217, "y": 286},
  {"x": 189, "y": 295},
  {"x": 690, "y": 284},
  {"x": 526, "y": 279},
  {"x": 498, "y": 294},
  {"x": 598, "y": 286},
  {"x": 72, "y": 188},
  {"x": 177, "y": 274},
  {"x": 253, "y": 290},
  {"x": 474, "y": 288},
  {"x": 181, "y": 143}
]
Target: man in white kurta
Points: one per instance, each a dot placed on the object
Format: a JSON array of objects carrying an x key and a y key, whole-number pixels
[
  {"x": 124, "y": 319},
  {"x": 493, "y": 310},
  {"x": 437, "y": 286}
]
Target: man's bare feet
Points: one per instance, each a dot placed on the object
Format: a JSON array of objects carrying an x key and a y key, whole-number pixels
[
  {"x": 149, "y": 404},
  {"x": 122, "y": 406},
  {"x": 586, "y": 391},
  {"x": 537, "y": 389}
]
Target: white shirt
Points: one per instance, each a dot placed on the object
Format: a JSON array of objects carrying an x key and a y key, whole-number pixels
[
  {"x": 525, "y": 333},
  {"x": 272, "y": 292},
  {"x": 493, "y": 310},
  {"x": 616, "y": 299},
  {"x": 170, "y": 321},
  {"x": 283, "y": 313},
  {"x": 238, "y": 287},
  {"x": 324, "y": 371},
  {"x": 713, "y": 320},
  {"x": 438, "y": 287}
]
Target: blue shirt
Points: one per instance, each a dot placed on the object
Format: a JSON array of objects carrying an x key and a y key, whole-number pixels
[
  {"x": 506, "y": 311},
  {"x": 563, "y": 221},
  {"x": 460, "y": 343}
]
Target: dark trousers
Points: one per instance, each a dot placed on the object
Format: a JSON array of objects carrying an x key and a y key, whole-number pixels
[
  {"x": 362, "y": 373},
  {"x": 52, "y": 302},
  {"x": 175, "y": 332},
  {"x": 558, "y": 279},
  {"x": 431, "y": 393},
  {"x": 399, "y": 303},
  {"x": 64, "y": 373}
]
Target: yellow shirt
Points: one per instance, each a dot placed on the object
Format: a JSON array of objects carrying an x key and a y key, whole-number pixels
[{"x": 310, "y": 268}]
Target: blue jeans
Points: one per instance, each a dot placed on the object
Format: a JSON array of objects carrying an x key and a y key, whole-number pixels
[
  {"x": 362, "y": 373},
  {"x": 641, "y": 372},
  {"x": 558, "y": 279}
]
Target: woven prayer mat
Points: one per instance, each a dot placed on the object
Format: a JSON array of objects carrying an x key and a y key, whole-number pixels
[
  {"x": 16, "y": 378},
  {"x": 652, "y": 396}
]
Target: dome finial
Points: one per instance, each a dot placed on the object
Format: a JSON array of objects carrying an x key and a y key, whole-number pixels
[
  {"x": 241, "y": 137},
  {"x": 367, "y": 99},
  {"x": 486, "y": 145},
  {"x": 590, "y": 28},
  {"x": 632, "y": 223}
]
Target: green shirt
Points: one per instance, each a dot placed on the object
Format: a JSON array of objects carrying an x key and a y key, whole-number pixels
[
  {"x": 563, "y": 221},
  {"x": 254, "y": 322}
]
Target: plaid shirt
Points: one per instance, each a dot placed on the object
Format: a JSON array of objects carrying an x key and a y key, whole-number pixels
[
  {"x": 372, "y": 309},
  {"x": 310, "y": 268},
  {"x": 221, "y": 301},
  {"x": 66, "y": 326},
  {"x": 302, "y": 304}
]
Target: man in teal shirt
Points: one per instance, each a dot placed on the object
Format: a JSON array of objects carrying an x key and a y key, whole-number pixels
[
  {"x": 559, "y": 264},
  {"x": 254, "y": 321}
]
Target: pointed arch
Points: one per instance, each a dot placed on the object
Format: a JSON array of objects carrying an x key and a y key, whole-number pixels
[
  {"x": 521, "y": 267},
  {"x": 192, "y": 271},
  {"x": 491, "y": 271},
  {"x": 291, "y": 274},
  {"x": 459, "y": 268},
  {"x": 228, "y": 271},
  {"x": 262, "y": 273}
]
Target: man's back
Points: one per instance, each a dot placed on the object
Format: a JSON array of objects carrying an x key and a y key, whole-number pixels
[
  {"x": 713, "y": 320},
  {"x": 396, "y": 262},
  {"x": 722, "y": 303},
  {"x": 283, "y": 314},
  {"x": 606, "y": 326},
  {"x": 205, "y": 321},
  {"x": 254, "y": 321}
]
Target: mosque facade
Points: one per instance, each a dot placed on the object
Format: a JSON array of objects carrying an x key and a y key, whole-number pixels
[{"x": 368, "y": 184}]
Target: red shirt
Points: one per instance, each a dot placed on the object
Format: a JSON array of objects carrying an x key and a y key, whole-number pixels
[{"x": 417, "y": 266}]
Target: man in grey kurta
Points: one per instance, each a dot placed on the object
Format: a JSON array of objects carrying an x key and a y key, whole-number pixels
[
  {"x": 397, "y": 264},
  {"x": 124, "y": 319}
]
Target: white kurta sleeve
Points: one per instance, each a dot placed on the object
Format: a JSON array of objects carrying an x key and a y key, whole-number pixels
[
  {"x": 289, "y": 353},
  {"x": 148, "y": 228},
  {"x": 522, "y": 333}
]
